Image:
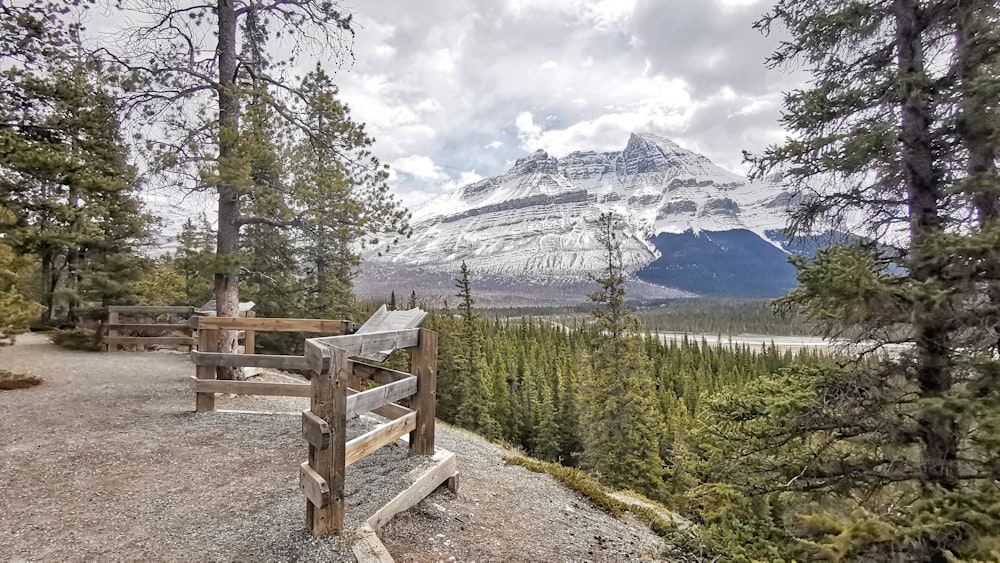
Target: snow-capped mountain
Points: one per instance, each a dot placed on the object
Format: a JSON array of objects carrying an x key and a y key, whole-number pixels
[{"x": 536, "y": 222}]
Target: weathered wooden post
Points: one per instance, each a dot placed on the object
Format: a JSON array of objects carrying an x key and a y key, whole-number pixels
[
  {"x": 424, "y": 366},
  {"x": 250, "y": 336},
  {"x": 112, "y": 333},
  {"x": 324, "y": 426},
  {"x": 207, "y": 342}
]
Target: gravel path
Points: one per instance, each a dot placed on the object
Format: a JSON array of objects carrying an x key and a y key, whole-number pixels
[{"x": 106, "y": 460}]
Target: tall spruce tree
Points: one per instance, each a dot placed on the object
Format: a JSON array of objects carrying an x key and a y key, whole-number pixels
[
  {"x": 472, "y": 372},
  {"x": 622, "y": 426},
  {"x": 894, "y": 139}
]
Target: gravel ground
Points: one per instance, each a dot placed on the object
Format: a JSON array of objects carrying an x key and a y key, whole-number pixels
[{"x": 106, "y": 460}]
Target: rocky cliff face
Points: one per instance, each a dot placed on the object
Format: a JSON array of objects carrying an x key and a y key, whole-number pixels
[{"x": 536, "y": 221}]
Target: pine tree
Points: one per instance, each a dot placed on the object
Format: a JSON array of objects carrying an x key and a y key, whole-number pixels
[
  {"x": 64, "y": 171},
  {"x": 196, "y": 111}
]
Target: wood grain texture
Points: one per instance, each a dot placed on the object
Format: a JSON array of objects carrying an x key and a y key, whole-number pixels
[
  {"x": 443, "y": 468},
  {"x": 366, "y": 401},
  {"x": 205, "y": 401},
  {"x": 314, "y": 487},
  {"x": 150, "y": 340},
  {"x": 382, "y": 435},
  {"x": 424, "y": 365},
  {"x": 315, "y": 430},
  {"x": 322, "y": 326},
  {"x": 254, "y": 361},
  {"x": 234, "y": 387},
  {"x": 140, "y": 309}
]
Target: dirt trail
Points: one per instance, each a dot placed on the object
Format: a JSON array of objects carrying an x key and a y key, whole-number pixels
[{"x": 106, "y": 460}]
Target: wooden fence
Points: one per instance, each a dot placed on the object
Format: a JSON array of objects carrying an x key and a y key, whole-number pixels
[
  {"x": 123, "y": 333},
  {"x": 334, "y": 383},
  {"x": 337, "y": 373},
  {"x": 207, "y": 358}
]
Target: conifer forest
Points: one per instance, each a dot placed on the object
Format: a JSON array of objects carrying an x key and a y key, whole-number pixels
[{"x": 884, "y": 448}]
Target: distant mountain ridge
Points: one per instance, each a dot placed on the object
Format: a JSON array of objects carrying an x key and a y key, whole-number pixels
[{"x": 534, "y": 224}]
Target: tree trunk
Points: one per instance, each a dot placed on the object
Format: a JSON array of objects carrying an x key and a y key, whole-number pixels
[
  {"x": 933, "y": 372},
  {"x": 227, "y": 272}
]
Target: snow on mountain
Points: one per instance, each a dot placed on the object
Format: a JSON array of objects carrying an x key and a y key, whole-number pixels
[{"x": 536, "y": 221}]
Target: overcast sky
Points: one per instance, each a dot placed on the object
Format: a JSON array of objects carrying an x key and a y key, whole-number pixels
[{"x": 457, "y": 90}]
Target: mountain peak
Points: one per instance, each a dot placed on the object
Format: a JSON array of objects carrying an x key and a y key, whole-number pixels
[
  {"x": 536, "y": 162},
  {"x": 649, "y": 138}
]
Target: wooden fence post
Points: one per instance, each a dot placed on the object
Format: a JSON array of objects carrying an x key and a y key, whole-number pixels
[
  {"x": 207, "y": 342},
  {"x": 250, "y": 336},
  {"x": 322, "y": 477},
  {"x": 112, "y": 320},
  {"x": 424, "y": 366}
]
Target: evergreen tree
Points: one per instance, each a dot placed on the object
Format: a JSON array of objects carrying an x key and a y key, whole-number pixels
[
  {"x": 64, "y": 171},
  {"x": 897, "y": 125},
  {"x": 622, "y": 427},
  {"x": 475, "y": 402}
]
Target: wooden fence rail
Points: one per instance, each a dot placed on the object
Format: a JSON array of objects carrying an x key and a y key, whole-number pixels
[
  {"x": 207, "y": 358},
  {"x": 121, "y": 333}
]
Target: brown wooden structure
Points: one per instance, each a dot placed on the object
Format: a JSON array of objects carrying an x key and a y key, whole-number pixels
[
  {"x": 338, "y": 370},
  {"x": 121, "y": 332},
  {"x": 207, "y": 358}
]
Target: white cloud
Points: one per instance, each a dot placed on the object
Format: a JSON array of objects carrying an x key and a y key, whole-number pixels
[
  {"x": 418, "y": 166},
  {"x": 448, "y": 88}
]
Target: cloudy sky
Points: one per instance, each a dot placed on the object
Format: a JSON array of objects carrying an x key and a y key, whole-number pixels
[{"x": 457, "y": 90}]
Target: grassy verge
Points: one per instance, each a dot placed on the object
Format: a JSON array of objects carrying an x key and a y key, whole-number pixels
[
  {"x": 10, "y": 381},
  {"x": 600, "y": 495}
]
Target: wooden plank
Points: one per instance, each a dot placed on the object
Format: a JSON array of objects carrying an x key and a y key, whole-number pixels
[
  {"x": 379, "y": 374},
  {"x": 328, "y": 402},
  {"x": 151, "y": 340},
  {"x": 108, "y": 345},
  {"x": 150, "y": 326},
  {"x": 255, "y": 361},
  {"x": 391, "y": 411},
  {"x": 140, "y": 309},
  {"x": 263, "y": 324},
  {"x": 382, "y": 435},
  {"x": 234, "y": 387},
  {"x": 317, "y": 356},
  {"x": 424, "y": 366},
  {"x": 357, "y": 345},
  {"x": 250, "y": 342},
  {"x": 205, "y": 401},
  {"x": 368, "y": 548},
  {"x": 385, "y": 320},
  {"x": 314, "y": 487},
  {"x": 380, "y": 396},
  {"x": 315, "y": 430},
  {"x": 443, "y": 468},
  {"x": 452, "y": 483}
]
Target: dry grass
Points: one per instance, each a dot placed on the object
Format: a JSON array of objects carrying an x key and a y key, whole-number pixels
[
  {"x": 646, "y": 511},
  {"x": 10, "y": 380}
]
